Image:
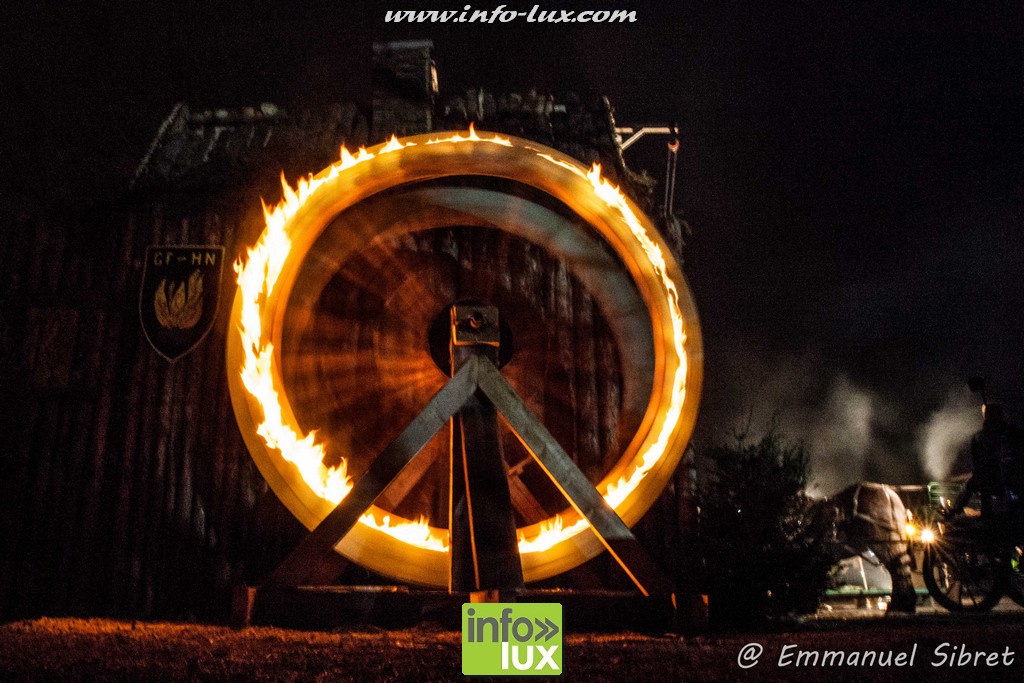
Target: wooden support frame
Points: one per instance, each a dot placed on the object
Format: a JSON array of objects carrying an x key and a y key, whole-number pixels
[
  {"x": 577, "y": 489},
  {"x": 478, "y": 373},
  {"x": 382, "y": 471},
  {"x": 673, "y": 364}
]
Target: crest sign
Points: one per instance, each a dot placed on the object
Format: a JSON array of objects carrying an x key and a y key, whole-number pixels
[{"x": 179, "y": 297}]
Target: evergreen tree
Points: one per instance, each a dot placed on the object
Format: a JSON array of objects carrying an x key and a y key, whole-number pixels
[{"x": 759, "y": 557}]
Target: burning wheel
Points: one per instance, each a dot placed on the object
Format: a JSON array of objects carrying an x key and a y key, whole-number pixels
[{"x": 329, "y": 350}]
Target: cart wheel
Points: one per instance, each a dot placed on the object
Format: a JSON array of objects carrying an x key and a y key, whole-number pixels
[{"x": 962, "y": 577}]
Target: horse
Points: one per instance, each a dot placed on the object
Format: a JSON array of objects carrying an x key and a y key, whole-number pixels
[{"x": 864, "y": 517}]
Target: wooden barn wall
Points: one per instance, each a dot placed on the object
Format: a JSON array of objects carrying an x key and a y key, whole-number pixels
[{"x": 125, "y": 485}]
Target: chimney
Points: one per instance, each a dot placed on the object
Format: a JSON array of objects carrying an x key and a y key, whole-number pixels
[{"x": 404, "y": 87}]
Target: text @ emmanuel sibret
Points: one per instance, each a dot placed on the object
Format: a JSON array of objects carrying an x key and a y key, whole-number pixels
[{"x": 953, "y": 655}]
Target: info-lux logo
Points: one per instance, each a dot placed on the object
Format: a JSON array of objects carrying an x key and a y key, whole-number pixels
[{"x": 511, "y": 639}]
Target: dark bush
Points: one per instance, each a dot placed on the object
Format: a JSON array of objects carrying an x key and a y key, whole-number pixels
[{"x": 759, "y": 560}]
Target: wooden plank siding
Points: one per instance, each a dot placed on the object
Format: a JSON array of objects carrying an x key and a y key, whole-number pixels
[
  {"x": 125, "y": 485},
  {"x": 127, "y": 488}
]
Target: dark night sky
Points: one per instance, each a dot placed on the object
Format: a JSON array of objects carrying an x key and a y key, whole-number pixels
[{"x": 853, "y": 172}]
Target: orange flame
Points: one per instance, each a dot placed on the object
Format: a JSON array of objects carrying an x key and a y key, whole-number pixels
[
  {"x": 613, "y": 197},
  {"x": 257, "y": 276},
  {"x": 553, "y": 531},
  {"x": 418, "y": 533},
  {"x": 473, "y": 137}
]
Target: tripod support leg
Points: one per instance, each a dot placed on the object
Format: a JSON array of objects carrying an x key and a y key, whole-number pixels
[
  {"x": 581, "y": 494},
  {"x": 321, "y": 541}
]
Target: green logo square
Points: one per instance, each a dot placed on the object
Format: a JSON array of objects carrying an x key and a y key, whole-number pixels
[{"x": 512, "y": 639}]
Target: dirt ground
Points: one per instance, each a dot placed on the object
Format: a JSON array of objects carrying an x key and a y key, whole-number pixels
[{"x": 105, "y": 650}]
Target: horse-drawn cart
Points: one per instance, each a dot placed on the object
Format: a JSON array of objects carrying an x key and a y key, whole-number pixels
[{"x": 969, "y": 562}]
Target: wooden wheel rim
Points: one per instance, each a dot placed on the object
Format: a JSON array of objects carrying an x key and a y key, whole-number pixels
[{"x": 678, "y": 362}]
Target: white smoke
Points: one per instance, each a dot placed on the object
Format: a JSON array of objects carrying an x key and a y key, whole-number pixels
[
  {"x": 841, "y": 436},
  {"x": 850, "y": 431},
  {"x": 833, "y": 418},
  {"x": 947, "y": 432}
]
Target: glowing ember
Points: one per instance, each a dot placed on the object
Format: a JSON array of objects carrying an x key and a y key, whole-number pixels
[{"x": 258, "y": 275}]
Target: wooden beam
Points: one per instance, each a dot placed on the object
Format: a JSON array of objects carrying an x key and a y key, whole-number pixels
[
  {"x": 297, "y": 567},
  {"x": 482, "y": 527},
  {"x": 581, "y": 494},
  {"x": 410, "y": 477}
]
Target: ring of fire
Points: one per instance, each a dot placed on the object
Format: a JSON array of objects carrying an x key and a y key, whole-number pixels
[{"x": 292, "y": 462}]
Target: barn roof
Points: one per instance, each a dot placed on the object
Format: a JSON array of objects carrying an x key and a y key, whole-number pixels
[
  {"x": 225, "y": 147},
  {"x": 230, "y": 147}
]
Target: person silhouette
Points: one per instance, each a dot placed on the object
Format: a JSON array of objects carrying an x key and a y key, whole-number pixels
[
  {"x": 986, "y": 447},
  {"x": 997, "y": 458}
]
